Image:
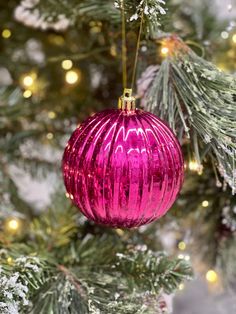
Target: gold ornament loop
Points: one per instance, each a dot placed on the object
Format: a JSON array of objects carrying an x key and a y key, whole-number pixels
[{"x": 127, "y": 101}]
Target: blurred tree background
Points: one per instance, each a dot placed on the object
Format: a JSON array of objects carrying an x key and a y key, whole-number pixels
[{"x": 60, "y": 62}]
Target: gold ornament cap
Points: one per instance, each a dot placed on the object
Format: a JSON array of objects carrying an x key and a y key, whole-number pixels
[{"x": 127, "y": 101}]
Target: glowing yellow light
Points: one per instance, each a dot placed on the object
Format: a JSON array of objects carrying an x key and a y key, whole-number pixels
[
  {"x": 211, "y": 276},
  {"x": 67, "y": 64},
  {"x": 67, "y": 195},
  {"x": 182, "y": 245},
  {"x": 224, "y": 35},
  {"x": 205, "y": 203},
  {"x": 9, "y": 260},
  {"x": 49, "y": 136},
  {"x": 13, "y": 224},
  {"x": 28, "y": 80},
  {"x": 181, "y": 286},
  {"x": 234, "y": 38},
  {"x": 164, "y": 51},
  {"x": 27, "y": 93},
  {"x": 72, "y": 77},
  {"x": 181, "y": 256},
  {"x": 195, "y": 166},
  {"x": 6, "y": 33},
  {"x": 120, "y": 232},
  {"x": 52, "y": 115}
]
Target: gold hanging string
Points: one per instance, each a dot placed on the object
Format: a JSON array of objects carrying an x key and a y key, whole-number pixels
[
  {"x": 124, "y": 49},
  {"x": 137, "y": 50}
]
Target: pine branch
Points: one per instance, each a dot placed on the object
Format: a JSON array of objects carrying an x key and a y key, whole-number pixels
[
  {"x": 59, "y": 15},
  {"x": 96, "y": 273},
  {"x": 191, "y": 94}
]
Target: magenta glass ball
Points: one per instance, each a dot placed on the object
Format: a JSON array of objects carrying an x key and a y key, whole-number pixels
[{"x": 123, "y": 168}]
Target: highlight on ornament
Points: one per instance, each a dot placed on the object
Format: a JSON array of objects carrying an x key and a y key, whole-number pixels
[{"x": 123, "y": 167}]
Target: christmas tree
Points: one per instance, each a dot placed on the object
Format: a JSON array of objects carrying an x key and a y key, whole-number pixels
[{"x": 62, "y": 62}]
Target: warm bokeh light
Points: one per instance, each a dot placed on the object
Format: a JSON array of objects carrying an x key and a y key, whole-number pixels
[
  {"x": 182, "y": 245},
  {"x": 164, "y": 51},
  {"x": 6, "y": 33},
  {"x": 225, "y": 35},
  {"x": 234, "y": 38},
  {"x": 52, "y": 115},
  {"x": 205, "y": 203},
  {"x": 67, "y": 64},
  {"x": 12, "y": 224},
  {"x": 49, "y": 136},
  {"x": 28, "y": 80},
  {"x": 27, "y": 93},
  {"x": 211, "y": 276},
  {"x": 9, "y": 260},
  {"x": 181, "y": 286},
  {"x": 72, "y": 77},
  {"x": 194, "y": 166}
]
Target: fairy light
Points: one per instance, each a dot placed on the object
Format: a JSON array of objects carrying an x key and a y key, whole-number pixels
[
  {"x": 67, "y": 64},
  {"x": 67, "y": 195},
  {"x": 12, "y": 225},
  {"x": 49, "y": 136},
  {"x": 52, "y": 115},
  {"x": 27, "y": 80},
  {"x": 182, "y": 245},
  {"x": 72, "y": 77},
  {"x": 225, "y": 35},
  {"x": 164, "y": 51},
  {"x": 27, "y": 93},
  {"x": 6, "y": 33},
  {"x": 181, "y": 286},
  {"x": 211, "y": 276},
  {"x": 195, "y": 166},
  {"x": 9, "y": 260},
  {"x": 205, "y": 204},
  {"x": 234, "y": 38}
]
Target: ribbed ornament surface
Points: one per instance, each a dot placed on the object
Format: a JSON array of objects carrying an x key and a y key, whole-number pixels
[{"x": 123, "y": 169}]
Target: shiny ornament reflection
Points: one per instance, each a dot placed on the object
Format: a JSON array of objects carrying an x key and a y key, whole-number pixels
[{"x": 123, "y": 168}]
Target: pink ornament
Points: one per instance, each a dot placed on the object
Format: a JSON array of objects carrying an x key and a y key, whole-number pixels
[{"x": 123, "y": 168}]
